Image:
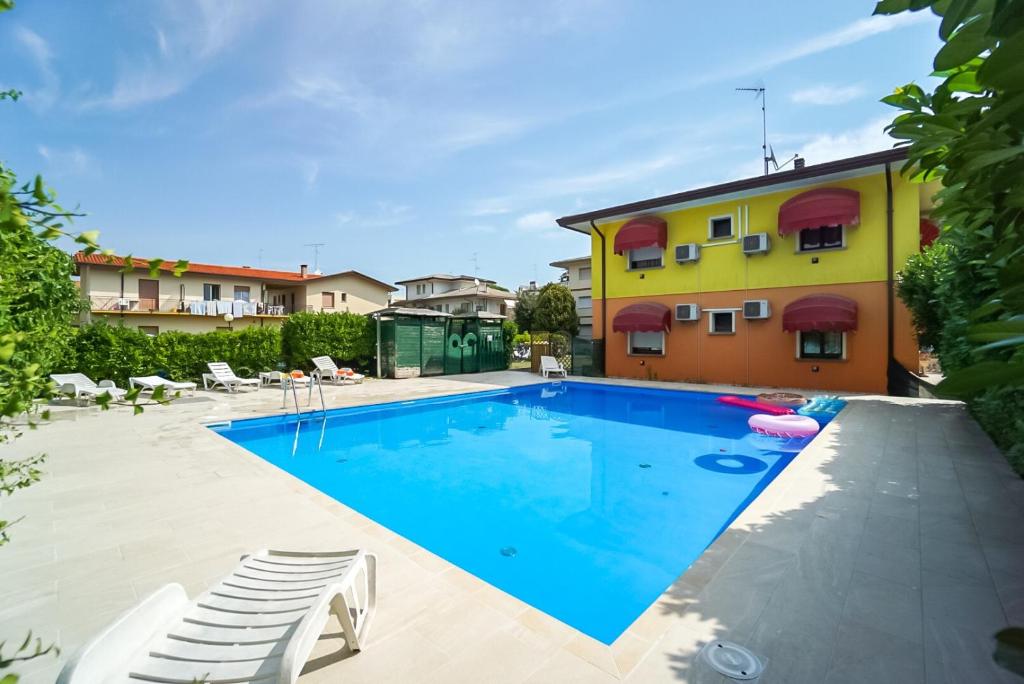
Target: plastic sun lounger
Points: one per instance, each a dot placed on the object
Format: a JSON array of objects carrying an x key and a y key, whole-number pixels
[
  {"x": 549, "y": 365},
  {"x": 221, "y": 374},
  {"x": 329, "y": 371},
  {"x": 259, "y": 624},
  {"x": 149, "y": 383},
  {"x": 80, "y": 385}
]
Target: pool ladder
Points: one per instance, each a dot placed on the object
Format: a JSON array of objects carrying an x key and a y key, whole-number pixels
[{"x": 286, "y": 383}]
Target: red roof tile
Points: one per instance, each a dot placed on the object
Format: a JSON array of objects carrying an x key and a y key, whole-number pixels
[{"x": 214, "y": 269}]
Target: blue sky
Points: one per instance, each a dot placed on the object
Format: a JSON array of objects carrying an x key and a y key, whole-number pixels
[{"x": 408, "y": 136}]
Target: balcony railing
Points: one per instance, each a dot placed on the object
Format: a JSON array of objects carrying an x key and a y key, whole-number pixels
[{"x": 190, "y": 305}]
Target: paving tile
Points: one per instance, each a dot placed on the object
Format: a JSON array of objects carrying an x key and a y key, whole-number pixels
[
  {"x": 961, "y": 601},
  {"x": 955, "y": 559},
  {"x": 896, "y": 531},
  {"x": 884, "y": 605},
  {"x": 566, "y": 668},
  {"x": 867, "y": 655},
  {"x": 890, "y": 561},
  {"x": 958, "y": 653}
]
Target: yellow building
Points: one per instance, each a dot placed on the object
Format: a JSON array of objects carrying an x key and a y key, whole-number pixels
[
  {"x": 784, "y": 280},
  {"x": 210, "y": 297}
]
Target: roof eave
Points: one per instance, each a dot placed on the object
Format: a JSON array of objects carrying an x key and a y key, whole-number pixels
[{"x": 580, "y": 222}]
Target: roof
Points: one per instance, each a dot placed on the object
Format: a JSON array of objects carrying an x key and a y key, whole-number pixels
[
  {"x": 808, "y": 173},
  {"x": 471, "y": 291},
  {"x": 408, "y": 311},
  {"x": 566, "y": 263},
  {"x": 444, "y": 276},
  {"x": 96, "y": 259}
]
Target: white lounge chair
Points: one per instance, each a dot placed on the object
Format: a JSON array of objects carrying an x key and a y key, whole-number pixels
[
  {"x": 81, "y": 386},
  {"x": 149, "y": 383},
  {"x": 258, "y": 625},
  {"x": 221, "y": 374},
  {"x": 329, "y": 371},
  {"x": 549, "y": 365}
]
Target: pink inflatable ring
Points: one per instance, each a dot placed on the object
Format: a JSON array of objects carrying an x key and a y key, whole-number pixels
[{"x": 791, "y": 425}]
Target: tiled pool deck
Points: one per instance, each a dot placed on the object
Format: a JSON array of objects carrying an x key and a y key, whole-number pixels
[{"x": 890, "y": 551}]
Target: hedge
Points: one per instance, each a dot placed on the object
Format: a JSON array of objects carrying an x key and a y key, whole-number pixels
[
  {"x": 116, "y": 352},
  {"x": 350, "y": 339}
]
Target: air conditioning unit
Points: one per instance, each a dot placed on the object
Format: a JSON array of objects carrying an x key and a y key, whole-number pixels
[
  {"x": 687, "y": 253},
  {"x": 758, "y": 243},
  {"x": 687, "y": 312},
  {"x": 756, "y": 308}
]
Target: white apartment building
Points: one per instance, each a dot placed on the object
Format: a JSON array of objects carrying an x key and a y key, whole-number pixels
[
  {"x": 456, "y": 294},
  {"x": 210, "y": 297},
  {"x": 576, "y": 277}
]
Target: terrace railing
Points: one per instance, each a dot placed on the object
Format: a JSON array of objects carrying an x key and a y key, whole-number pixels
[{"x": 189, "y": 305}]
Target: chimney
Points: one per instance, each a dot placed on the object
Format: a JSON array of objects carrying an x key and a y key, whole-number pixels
[
  {"x": 533, "y": 284},
  {"x": 302, "y": 270},
  {"x": 799, "y": 162}
]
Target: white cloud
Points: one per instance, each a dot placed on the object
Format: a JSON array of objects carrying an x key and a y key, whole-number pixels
[
  {"x": 383, "y": 215},
  {"x": 488, "y": 206},
  {"x": 65, "y": 162},
  {"x": 189, "y": 36},
  {"x": 536, "y": 222},
  {"x": 870, "y": 137},
  {"x": 39, "y": 49},
  {"x": 827, "y": 94},
  {"x": 479, "y": 229}
]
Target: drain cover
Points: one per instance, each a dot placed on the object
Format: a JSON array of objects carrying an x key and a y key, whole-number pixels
[
  {"x": 509, "y": 551},
  {"x": 732, "y": 660}
]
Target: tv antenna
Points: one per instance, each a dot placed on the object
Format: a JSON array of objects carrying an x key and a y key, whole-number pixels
[
  {"x": 759, "y": 93},
  {"x": 316, "y": 254},
  {"x": 476, "y": 263}
]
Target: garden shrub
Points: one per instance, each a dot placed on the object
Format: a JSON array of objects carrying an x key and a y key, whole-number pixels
[
  {"x": 509, "y": 333},
  {"x": 115, "y": 352},
  {"x": 350, "y": 339}
]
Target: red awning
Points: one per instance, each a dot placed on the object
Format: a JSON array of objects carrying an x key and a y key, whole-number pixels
[
  {"x": 929, "y": 232},
  {"x": 820, "y": 312},
  {"x": 821, "y": 207},
  {"x": 643, "y": 317},
  {"x": 643, "y": 231}
]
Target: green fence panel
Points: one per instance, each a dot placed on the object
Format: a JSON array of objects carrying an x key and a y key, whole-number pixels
[
  {"x": 432, "y": 347},
  {"x": 407, "y": 347}
]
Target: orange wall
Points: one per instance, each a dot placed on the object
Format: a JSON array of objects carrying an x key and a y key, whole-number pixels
[{"x": 760, "y": 353}]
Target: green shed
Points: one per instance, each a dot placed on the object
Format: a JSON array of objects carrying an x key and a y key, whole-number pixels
[
  {"x": 474, "y": 343},
  {"x": 410, "y": 342}
]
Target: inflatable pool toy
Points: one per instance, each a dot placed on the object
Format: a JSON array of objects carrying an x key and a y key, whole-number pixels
[
  {"x": 783, "y": 426},
  {"x": 733, "y": 400},
  {"x": 782, "y": 399},
  {"x": 823, "y": 408}
]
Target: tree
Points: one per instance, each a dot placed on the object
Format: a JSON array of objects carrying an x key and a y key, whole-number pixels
[
  {"x": 969, "y": 132},
  {"x": 556, "y": 310},
  {"x": 526, "y": 304}
]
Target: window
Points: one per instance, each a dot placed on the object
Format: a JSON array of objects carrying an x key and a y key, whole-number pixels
[
  {"x": 722, "y": 322},
  {"x": 719, "y": 227},
  {"x": 645, "y": 257},
  {"x": 585, "y": 273},
  {"x": 647, "y": 343},
  {"x": 327, "y": 300},
  {"x": 242, "y": 293},
  {"x": 825, "y": 237},
  {"x": 344, "y": 297},
  {"x": 447, "y": 308},
  {"x": 584, "y": 302},
  {"x": 821, "y": 345},
  {"x": 211, "y": 292},
  {"x": 150, "y": 330}
]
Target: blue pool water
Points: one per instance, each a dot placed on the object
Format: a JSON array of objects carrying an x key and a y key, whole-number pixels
[{"x": 586, "y": 501}]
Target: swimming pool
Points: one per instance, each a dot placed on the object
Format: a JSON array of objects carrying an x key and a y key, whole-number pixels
[{"x": 584, "y": 500}]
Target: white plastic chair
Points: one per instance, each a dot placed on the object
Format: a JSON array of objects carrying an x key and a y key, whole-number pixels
[
  {"x": 259, "y": 624},
  {"x": 149, "y": 383},
  {"x": 79, "y": 385},
  {"x": 222, "y": 375},
  {"x": 549, "y": 365}
]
